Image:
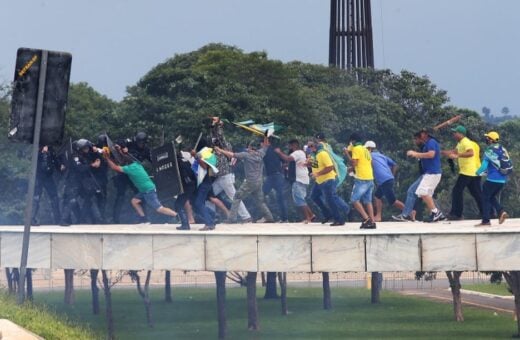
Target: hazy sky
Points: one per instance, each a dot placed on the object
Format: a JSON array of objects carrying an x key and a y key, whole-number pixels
[{"x": 468, "y": 47}]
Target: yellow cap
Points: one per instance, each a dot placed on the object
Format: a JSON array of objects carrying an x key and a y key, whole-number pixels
[{"x": 492, "y": 135}]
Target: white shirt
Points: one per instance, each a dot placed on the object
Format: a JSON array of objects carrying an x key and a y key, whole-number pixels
[{"x": 302, "y": 173}]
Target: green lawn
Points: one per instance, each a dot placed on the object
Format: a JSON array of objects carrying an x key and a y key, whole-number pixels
[
  {"x": 40, "y": 321},
  {"x": 490, "y": 288},
  {"x": 193, "y": 315}
]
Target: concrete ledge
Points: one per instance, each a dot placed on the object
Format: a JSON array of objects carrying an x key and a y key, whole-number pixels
[
  {"x": 11, "y": 331},
  {"x": 289, "y": 247}
]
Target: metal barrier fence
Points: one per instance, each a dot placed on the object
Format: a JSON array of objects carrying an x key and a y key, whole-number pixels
[{"x": 45, "y": 279}]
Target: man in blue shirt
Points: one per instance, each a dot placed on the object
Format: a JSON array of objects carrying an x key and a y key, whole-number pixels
[
  {"x": 384, "y": 170},
  {"x": 430, "y": 158}
]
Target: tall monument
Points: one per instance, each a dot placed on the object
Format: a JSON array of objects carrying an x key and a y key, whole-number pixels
[{"x": 350, "y": 37}]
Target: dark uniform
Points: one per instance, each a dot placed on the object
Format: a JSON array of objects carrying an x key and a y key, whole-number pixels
[
  {"x": 101, "y": 177},
  {"x": 138, "y": 149},
  {"x": 71, "y": 191},
  {"x": 189, "y": 184},
  {"x": 90, "y": 187},
  {"x": 47, "y": 163}
]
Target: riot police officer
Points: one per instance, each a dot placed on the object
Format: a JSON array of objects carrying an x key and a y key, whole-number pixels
[
  {"x": 89, "y": 160},
  {"x": 101, "y": 177},
  {"x": 47, "y": 163},
  {"x": 71, "y": 191}
]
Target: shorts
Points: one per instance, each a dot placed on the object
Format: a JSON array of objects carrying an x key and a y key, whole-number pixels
[
  {"x": 428, "y": 184},
  {"x": 387, "y": 190},
  {"x": 150, "y": 198},
  {"x": 362, "y": 191},
  {"x": 299, "y": 193}
]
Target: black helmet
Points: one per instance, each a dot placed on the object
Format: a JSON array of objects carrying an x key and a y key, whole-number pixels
[
  {"x": 102, "y": 140},
  {"x": 82, "y": 143},
  {"x": 141, "y": 137}
]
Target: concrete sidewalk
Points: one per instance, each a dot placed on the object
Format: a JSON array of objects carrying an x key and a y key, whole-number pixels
[{"x": 497, "y": 303}]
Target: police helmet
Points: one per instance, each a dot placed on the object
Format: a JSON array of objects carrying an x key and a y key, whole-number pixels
[
  {"x": 141, "y": 137},
  {"x": 102, "y": 140},
  {"x": 82, "y": 143}
]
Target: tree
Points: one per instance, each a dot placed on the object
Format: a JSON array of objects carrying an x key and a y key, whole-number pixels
[{"x": 505, "y": 111}]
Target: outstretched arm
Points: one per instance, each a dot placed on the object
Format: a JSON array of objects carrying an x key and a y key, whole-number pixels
[{"x": 112, "y": 165}]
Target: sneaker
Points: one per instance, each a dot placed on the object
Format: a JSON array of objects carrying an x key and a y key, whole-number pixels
[
  {"x": 337, "y": 224},
  {"x": 183, "y": 228},
  {"x": 368, "y": 224},
  {"x": 402, "y": 218},
  {"x": 207, "y": 227},
  {"x": 483, "y": 224},
  {"x": 502, "y": 217},
  {"x": 264, "y": 220},
  {"x": 436, "y": 217}
]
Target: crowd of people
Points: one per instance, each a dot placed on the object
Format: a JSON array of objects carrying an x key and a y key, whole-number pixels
[{"x": 311, "y": 170}]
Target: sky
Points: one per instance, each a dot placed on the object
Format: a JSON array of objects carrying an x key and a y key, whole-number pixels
[{"x": 469, "y": 48}]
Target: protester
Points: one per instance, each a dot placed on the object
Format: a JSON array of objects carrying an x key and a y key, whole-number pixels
[
  {"x": 362, "y": 190},
  {"x": 145, "y": 186},
  {"x": 495, "y": 180},
  {"x": 467, "y": 152},
  {"x": 384, "y": 173},
  {"x": 225, "y": 180},
  {"x": 274, "y": 178},
  {"x": 252, "y": 185},
  {"x": 299, "y": 176},
  {"x": 431, "y": 165},
  {"x": 325, "y": 189}
]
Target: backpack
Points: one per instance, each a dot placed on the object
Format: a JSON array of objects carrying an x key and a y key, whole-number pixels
[{"x": 504, "y": 163}]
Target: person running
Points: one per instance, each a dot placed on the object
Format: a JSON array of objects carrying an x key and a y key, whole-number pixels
[
  {"x": 430, "y": 157},
  {"x": 145, "y": 186},
  {"x": 252, "y": 185},
  {"x": 467, "y": 152},
  {"x": 298, "y": 164},
  {"x": 362, "y": 190},
  {"x": 495, "y": 180},
  {"x": 384, "y": 171},
  {"x": 325, "y": 175}
]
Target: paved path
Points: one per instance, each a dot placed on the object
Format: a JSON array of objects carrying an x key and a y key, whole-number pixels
[{"x": 503, "y": 304}]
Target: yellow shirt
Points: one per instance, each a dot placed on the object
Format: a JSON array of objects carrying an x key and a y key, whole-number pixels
[
  {"x": 363, "y": 169},
  {"x": 468, "y": 166},
  {"x": 321, "y": 161}
]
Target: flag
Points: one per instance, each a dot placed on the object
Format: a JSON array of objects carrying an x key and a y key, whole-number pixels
[
  {"x": 339, "y": 165},
  {"x": 207, "y": 156},
  {"x": 267, "y": 130}
]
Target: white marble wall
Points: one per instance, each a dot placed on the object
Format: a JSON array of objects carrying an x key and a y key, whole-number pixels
[
  {"x": 344, "y": 253},
  {"x": 248, "y": 251},
  {"x": 386, "y": 253},
  {"x": 498, "y": 252},
  {"x": 449, "y": 252}
]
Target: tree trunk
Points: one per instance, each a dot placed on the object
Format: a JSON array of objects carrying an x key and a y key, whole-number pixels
[
  {"x": 454, "y": 279},
  {"x": 220, "y": 278},
  {"x": 282, "y": 278},
  {"x": 95, "y": 291},
  {"x": 144, "y": 293},
  {"x": 108, "y": 306},
  {"x": 9, "y": 281},
  {"x": 252, "y": 308},
  {"x": 327, "y": 301},
  {"x": 167, "y": 286},
  {"x": 262, "y": 275},
  {"x": 29, "y": 282},
  {"x": 513, "y": 280},
  {"x": 270, "y": 286},
  {"x": 69, "y": 286},
  {"x": 376, "y": 288}
]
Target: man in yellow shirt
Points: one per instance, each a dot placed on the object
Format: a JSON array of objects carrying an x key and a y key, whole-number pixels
[
  {"x": 467, "y": 152},
  {"x": 363, "y": 181},
  {"x": 324, "y": 173}
]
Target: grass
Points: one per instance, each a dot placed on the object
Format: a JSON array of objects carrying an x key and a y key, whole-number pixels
[
  {"x": 41, "y": 321},
  {"x": 193, "y": 315},
  {"x": 490, "y": 288}
]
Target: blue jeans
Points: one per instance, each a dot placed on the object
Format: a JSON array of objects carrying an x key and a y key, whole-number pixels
[
  {"x": 490, "y": 191},
  {"x": 411, "y": 197},
  {"x": 335, "y": 203},
  {"x": 277, "y": 182},
  {"x": 200, "y": 203},
  {"x": 362, "y": 191}
]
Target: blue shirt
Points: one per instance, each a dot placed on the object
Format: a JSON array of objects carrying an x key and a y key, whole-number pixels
[
  {"x": 431, "y": 166},
  {"x": 382, "y": 166}
]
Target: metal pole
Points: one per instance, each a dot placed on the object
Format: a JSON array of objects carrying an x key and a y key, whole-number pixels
[{"x": 32, "y": 176}]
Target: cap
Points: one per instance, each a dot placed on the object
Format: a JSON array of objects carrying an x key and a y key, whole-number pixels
[
  {"x": 460, "y": 129},
  {"x": 370, "y": 144},
  {"x": 492, "y": 135}
]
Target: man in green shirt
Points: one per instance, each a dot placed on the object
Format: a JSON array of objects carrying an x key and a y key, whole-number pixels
[{"x": 145, "y": 186}]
